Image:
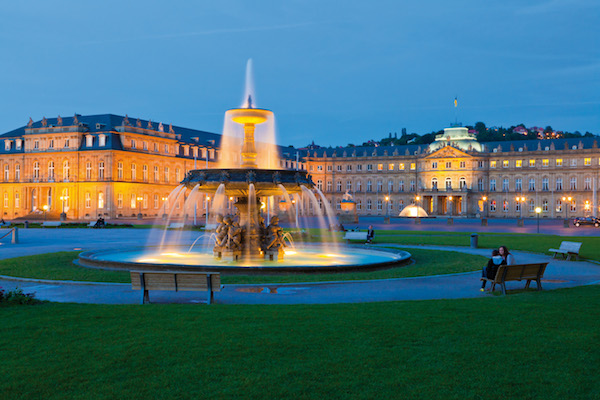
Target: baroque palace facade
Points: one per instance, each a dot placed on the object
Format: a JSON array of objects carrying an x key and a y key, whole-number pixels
[
  {"x": 458, "y": 176},
  {"x": 101, "y": 165}
]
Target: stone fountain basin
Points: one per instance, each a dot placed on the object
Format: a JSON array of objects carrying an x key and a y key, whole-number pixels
[
  {"x": 308, "y": 259},
  {"x": 237, "y": 180}
]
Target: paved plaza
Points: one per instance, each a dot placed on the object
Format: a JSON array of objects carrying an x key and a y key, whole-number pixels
[{"x": 559, "y": 274}]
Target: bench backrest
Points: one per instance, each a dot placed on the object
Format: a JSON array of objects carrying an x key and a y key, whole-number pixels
[
  {"x": 571, "y": 247},
  {"x": 51, "y": 223},
  {"x": 176, "y": 281},
  {"x": 519, "y": 272},
  {"x": 356, "y": 235},
  {"x": 176, "y": 225}
]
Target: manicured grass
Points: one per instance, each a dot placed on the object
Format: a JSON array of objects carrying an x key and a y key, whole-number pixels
[
  {"x": 535, "y": 345},
  {"x": 59, "y": 266}
]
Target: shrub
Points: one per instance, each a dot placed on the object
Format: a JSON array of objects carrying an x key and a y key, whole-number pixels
[{"x": 17, "y": 296}]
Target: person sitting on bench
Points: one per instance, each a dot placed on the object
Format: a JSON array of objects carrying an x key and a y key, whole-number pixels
[
  {"x": 99, "y": 223},
  {"x": 370, "y": 234}
]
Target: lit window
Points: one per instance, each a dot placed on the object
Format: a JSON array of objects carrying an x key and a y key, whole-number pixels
[
  {"x": 587, "y": 161},
  {"x": 133, "y": 172},
  {"x": 532, "y": 163},
  {"x": 379, "y": 167},
  {"x": 545, "y": 162},
  {"x": 559, "y": 162},
  {"x": 505, "y": 164},
  {"x": 519, "y": 163},
  {"x": 390, "y": 167},
  {"x": 413, "y": 166},
  {"x": 119, "y": 200},
  {"x": 401, "y": 166},
  {"x": 492, "y": 164},
  {"x": 100, "y": 200}
]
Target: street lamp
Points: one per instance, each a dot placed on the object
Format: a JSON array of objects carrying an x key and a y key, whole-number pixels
[
  {"x": 450, "y": 205},
  {"x": 63, "y": 215},
  {"x": 484, "y": 198},
  {"x": 45, "y": 208},
  {"x": 538, "y": 210},
  {"x": 521, "y": 201},
  {"x": 164, "y": 214},
  {"x": 295, "y": 212},
  {"x": 139, "y": 199}
]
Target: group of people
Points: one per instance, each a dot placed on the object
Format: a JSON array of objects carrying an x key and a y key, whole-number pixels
[
  {"x": 100, "y": 223},
  {"x": 500, "y": 256}
]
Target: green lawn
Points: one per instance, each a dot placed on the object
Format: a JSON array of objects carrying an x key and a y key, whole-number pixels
[
  {"x": 59, "y": 266},
  {"x": 534, "y": 345}
]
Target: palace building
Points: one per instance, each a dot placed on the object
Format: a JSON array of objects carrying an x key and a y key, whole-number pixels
[
  {"x": 458, "y": 176},
  {"x": 102, "y": 165}
]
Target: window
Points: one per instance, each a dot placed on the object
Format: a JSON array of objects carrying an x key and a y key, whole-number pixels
[
  {"x": 379, "y": 205},
  {"x": 505, "y": 164},
  {"x": 36, "y": 144},
  {"x": 532, "y": 163},
  {"x": 480, "y": 184},
  {"x": 587, "y": 184},
  {"x": 573, "y": 162},
  {"x": 517, "y": 205},
  {"x": 358, "y": 205},
  {"x": 573, "y": 205},
  {"x": 6, "y": 172},
  {"x": 88, "y": 170},
  {"x": 329, "y": 168},
  {"x": 100, "y": 200},
  {"x": 531, "y": 205},
  {"x": 369, "y": 167},
  {"x": 587, "y": 161},
  {"x": 369, "y": 205},
  {"x": 119, "y": 200},
  {"x": 145, "y": 146},
  {"x": 155, "y": 175},
  {"x": 492, "y": 164},
  {"x": 401, "y": 185},
  {"x": 559, "y": 185},
  {"x": 573, "y": 184},
  {"x": 448, "y": 183},
  {"x": 133, "y": 172},
  {"x": 545, "y": 184},
  {"x": 17, "y": 200},
  {"x": 319, "y": 168},
  {"x": 558, "y": 205},
  {"x": 145, "y": 200},
  {"x": 89, "y": 140},
  {"x": 329, "y": 186},
  {"x": 518, "y": 184},
  {"x": 448, "y": 164},
  {"x": 101, "y": 170},
  {"x": 559, "y": 162},
  {"x": 545, "y": 162},
  {"x": 156, "y": 204},
  {"x": 434, "y": 183},
  {"x": 358, "y": 186},
  {"x": 379, "y": 167},
  {"x": 434, "y": 165},
  {"x": 348, "y": 168},
  {"x": 18, "y": 172},
  {"x": 178, "y": 175},
  {"x": 66, "y": 170},
  {"x": 167, "y": 151},
  {"x": 492, "y": 185},
  {"x": 463, "y": 164},
  {"x": 67, "y": 143},
  {"x": 480, "y": 164},
  {"x": 339, "y": 168},
  {"x": 320, "y": 185},
  {"x": 400, "y": 205},
  {"x": 493, "y": 205},
  {"x": 133, "y": 201},
  {"x": 413, "y": 166},
  {"x": 369, "y": 186},
  {"x": 390, "y": 167},
  {"x": 401, "y": 166},
  {"x": 145, "y": 173},
  {"x": 5, "y": 200},
  {"x": 412, "y": 185},
  {"x": 348, "y": 185},
  {"x": 120, "y": 170},
  {"x": 505, "y": 206},
  {"x": 462, "y": 183},
  {"x": 518, "y": 163},
  {"x": 36, "y": 170},
  {"x": 338, "y": 186},
  {"x": 7, "y": 145},
  {"x": 379, "y": 186},
  {"x": 51, "y": 170},
  {"x": 101, "y": 140},
  {"x": 51, "y": 143},
  {"x": 359, "y": 167},
  {"x": 531, "y": 184},
  {"x": 545, "y": 205},
  {"x": 311, "y": 168},
  {"x": 505, "y": 185},
  {"x": 133, "y": 144}
]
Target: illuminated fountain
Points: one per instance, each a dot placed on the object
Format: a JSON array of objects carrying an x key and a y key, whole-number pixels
[{"x": 243, "y": 241}]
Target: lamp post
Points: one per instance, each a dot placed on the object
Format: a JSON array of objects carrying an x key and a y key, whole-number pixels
[
  {"x": 484, "y": 199},
  {"x": 164, "y": 214},
  {"x": 567, "y": 205},
  {"x": 450, "y": 206},
  {"x": 538, "y": 210},
  {"x": 521, "y": 201},
  {"x": 45, "y": 208},
  {"x": 139, "y": 199},
  {"x": 387, "y": 209},
  {"x": 63, "y": 214}
]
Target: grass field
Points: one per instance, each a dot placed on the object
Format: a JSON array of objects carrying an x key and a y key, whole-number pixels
[
  {"x": 535, "y": 345},
  {"x": 59, "y": 266}
]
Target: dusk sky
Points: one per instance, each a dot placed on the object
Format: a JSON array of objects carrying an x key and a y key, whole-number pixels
[{"x": 333, "y": 72}]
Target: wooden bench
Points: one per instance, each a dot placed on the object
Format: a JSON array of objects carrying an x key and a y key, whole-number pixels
[
  {"x": 567, "y": 250},
  {"x": 176, "y": 225},
  {"x": 175, "y": 281},
  {"x": 355, "y": 236},
  {"x": 47, "y": 224},
  {"x": 518, "y": 272}
]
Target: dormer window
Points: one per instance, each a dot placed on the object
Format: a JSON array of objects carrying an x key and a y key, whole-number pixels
[
  {"x": 18, "y": 144},
  {"x": 7, "y": 145},
  {"x": 101, "y": 140},
  {"x": 89, "y": 140}
]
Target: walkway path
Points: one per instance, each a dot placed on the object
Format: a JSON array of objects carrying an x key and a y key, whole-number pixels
[{"x": 559, "y": 274}]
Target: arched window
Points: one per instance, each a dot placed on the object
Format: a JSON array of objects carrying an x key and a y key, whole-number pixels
[
  {"x": 449, "y": 183},
  {"x": 434, "y": 183},
  {"x": 100, "y": 200},
  {"x": 101, "y": 170},
  {"x": 462, "y": 183},
  {"x": 133, "y": 172},
  {"x": 51, "y": 170}
]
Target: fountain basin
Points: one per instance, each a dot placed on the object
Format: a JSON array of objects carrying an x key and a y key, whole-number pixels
[{"x": 309, "y": 259}]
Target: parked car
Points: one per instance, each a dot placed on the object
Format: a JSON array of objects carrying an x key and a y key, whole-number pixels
[{"x": 587, "y": 221}]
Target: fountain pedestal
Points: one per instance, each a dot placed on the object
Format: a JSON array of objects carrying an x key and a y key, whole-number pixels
[{"x": 274, "y": 254}]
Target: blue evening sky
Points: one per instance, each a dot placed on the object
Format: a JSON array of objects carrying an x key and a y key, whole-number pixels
[{"x": 335, "y": 72}]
